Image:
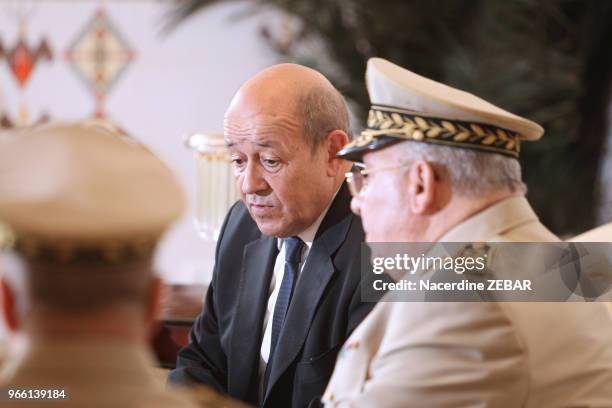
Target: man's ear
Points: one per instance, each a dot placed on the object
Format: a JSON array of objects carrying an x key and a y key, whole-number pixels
[
  {"x": 335, "y": 141},
  {"x": 153, "y": 304},
  {"x": 422, "y": 187},
  {"x": 9, "y": 307}
]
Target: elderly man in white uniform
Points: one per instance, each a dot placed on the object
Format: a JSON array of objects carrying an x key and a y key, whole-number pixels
[{"x": 441, "y": 165}]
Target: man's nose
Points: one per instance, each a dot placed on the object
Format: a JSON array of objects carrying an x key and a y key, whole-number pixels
[{"x": 253, "y": 181}]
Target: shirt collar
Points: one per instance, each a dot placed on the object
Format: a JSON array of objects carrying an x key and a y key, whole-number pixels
[
  {"x": 492, "y": 221},
  {"x": 483, "y": 226}
]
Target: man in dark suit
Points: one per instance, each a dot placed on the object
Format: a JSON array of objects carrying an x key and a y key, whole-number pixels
[{"x": 286, "y": 288}]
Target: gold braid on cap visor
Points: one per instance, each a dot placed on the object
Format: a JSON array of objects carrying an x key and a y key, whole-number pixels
[{"x": 407, "y": 125}]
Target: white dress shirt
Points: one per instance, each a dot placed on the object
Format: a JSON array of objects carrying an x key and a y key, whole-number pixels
[{"x": 307, "y": 236}]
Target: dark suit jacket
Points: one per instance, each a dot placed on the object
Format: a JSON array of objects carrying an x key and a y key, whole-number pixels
[{"x": 225, "y": 341}]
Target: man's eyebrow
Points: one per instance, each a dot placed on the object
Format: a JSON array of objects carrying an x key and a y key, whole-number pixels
[
  {"x": 260, "y": 143},
  {"x": 267, "y": 143}
]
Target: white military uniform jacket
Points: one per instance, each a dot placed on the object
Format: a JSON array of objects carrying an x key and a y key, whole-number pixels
[
  {"x": 602, "y": 233},
  {"x": 93, "y": 374},
  {"x": 479, "y": 354}
]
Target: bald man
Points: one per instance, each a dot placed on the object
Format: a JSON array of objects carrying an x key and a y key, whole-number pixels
[{"x": 286, "y": 288}]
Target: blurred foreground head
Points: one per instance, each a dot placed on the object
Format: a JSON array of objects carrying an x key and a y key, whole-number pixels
[{"x": 82, "y": 208}]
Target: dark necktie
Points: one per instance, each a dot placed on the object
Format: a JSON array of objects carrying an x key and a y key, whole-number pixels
[{"x": 293, "y": 256}]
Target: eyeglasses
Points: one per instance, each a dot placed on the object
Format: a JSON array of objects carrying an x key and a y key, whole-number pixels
[{"x": 357, "y": 179}]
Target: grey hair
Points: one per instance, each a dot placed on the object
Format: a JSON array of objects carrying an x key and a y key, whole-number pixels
[
  {"x": 468, "y": 172},
  {"x": 323, "y": 111}
]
